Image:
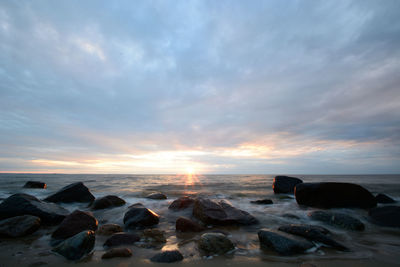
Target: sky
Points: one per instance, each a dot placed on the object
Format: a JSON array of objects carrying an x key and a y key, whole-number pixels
[{"x": 225, "y": 87}]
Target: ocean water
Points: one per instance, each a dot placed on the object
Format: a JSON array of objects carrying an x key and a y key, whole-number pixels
[{"x": 379, "y": 243}]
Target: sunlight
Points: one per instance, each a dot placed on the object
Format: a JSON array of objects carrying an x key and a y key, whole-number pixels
[{"x": 189, "y": 170}]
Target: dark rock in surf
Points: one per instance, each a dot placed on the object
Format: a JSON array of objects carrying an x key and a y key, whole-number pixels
[
  {"x": 337, "y": 219},
  {"x": 186, "y": 225},
  {"x": 334, "y": 195},
  {"x": 283, "y": 243},
  {"x": 167, "y": 256},
  {"x": 77, "y": 246},
  {"x": 76, "y": 192},
  {"x": 157, "y": 195},
  {"x": 290, "y": 216},
  {"x": 215, "y": 243},
  {"x": 107, "y": 202},
  {"x": 117, "y": 253},
  {"x": 24, "y": 204},
  {"x": 155, "y": 235},
  {"x": 19, "y": 226},
  {"x": 139, "y": 216},
  {"x": 285, "y": 184},
  {"x": 262, "y": 202},
  {"x": 384, "y": 199},
  {"x": 75, "y": 223},
  {"x": 35, "y": 184},
  {"x": 181, "y": 203},
  {"x": 120, "y": 239},
  {"x": 109, "y": 229},
  {"x": 388, "y": 216}
]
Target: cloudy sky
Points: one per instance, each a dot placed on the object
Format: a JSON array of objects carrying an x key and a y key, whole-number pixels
[{"x": 218, "y": 86}]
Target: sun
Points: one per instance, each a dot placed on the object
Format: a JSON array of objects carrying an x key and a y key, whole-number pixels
[{"x": 190, "y": 170}]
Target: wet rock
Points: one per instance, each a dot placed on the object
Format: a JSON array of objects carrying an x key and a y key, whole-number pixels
[
  {"x": 285, "y": 184},
  {"x": 157, "y": 195},
  {"x": 139, "y": 216},
  {"x": 337, "y": 219},
  {"x": 74, "y": 223},
  {"x": 24, "y": 204},
  {"x": 35, "y": 184},
  {"x": 334, "y": 195},
  {"x": 386, "y": 216},
  {"x": 262, "y": 202},
  {"x": 312, "y": 233},
  {"x": 167, "y": 256},
  {"x": 109, "y": 229},
  {"x": 120, "y": 239},
  {"x": 181, "y": 203},
  {"x": 107, "y": 202},
  {"x": 215, "y": 243},
  {"x": 19, "y": 226},
  {"x": 76, "y": 192},
  {"x": 77, "y": 246},
  {"x": 291, "y": 216},
  {"x": 155, "y": 235},
  {"x": 117, "y": 253},
  {"x": 284, "y": 244},
  {"x": 186, "y": 225},
  {"x": 221, "y": 213},
  {"x": 384, "y": 199}
]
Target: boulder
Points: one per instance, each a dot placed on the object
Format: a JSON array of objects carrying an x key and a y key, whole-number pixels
[
  {"x": 107, "y": 202},
  {"x": 19, "y": 226},
  {"x": 77, "y": 246},
  {"x": 337, "y": 219},
  {"x": 215, "y": 243},
  {"x": 117, "y": 253},
  {"x": 139, "y": 216},
  {"x": 24, "y": 204},
  {"x": 262, "y": 202},
  {"x": 186, "y": 225},
  {"x": 181, "y": 203},
  {"x": 76, "y": 192},
  {"x": 386, "y": 216},
  {"x": 120, "y": 239},
  {"x": 384, "y": 199},
  {"x": 157, "y": 195},
  {"x": 155, "y": 235},
  {"x": 221, "y": 213},
  {"x": 74, "y": 223},
  {"x": 35, "y": 184},
  {"x": 167, "y": 256},
  {"x": 283, "y": 243},
  {"x": 109, "y": 229},
  {"x": 285, "y": 184},
  {"x": 334, "y": 195}
]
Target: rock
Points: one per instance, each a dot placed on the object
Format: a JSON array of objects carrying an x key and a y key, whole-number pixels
[
  {"x": 24, "y": 204},
  {"x": 262, "y": 202},
  {"x": 215, "y": 243},
  {"x": 386, "y": 216},
  {"x": 109, "y": 229},
  {"x": 334, "y": 195},
  {"x": 167, "y": 256},
  {"x": 384, "y": 199},
  {"x": 337, "y": 219},
  {"x": 74, "y": 223},
  {"x": 312, "y": 233},
  {"x": 291, "y": 216},
  {"x": 186, "y": 225},
  {"x": 138, "y": 217},
  {"x": 76, "y": 192},
  {"x": 157, "y": 195},
  {"x": 119, "y": 239},
  {"x": 155, "y": 235},
  {"x": 77, "y": 246},
  {"x": 117, "y": 253},
  {"x": 285, "y": 184},
  {"x": 19, "y": 226},
  {"x": 284, "y": 244},
  {"x": 35, "y": 184},
  {"x": 107, "y": 202},
  {"x": 221, "y": 213},
  {"x": 181, "y": 203}
]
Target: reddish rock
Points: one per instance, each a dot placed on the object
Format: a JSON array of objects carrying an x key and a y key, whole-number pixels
[
  {"x": 117, "y": 253},
  {"x": 187, "y": 225},
  {"x": 75, "y": 223},
  {"x": 181, "y": 203}
]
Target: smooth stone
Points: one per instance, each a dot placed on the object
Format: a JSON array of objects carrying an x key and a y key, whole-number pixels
[
  {"x": 74, "y": 223},
  {"x": 283, "y": 243},
  {"x": 139, "y": 216},
  {"x": 117, "y": 253},
  {"x": 156, "y": 235},
  {"x": 384, "y": 199},
  {"x": 337, "y": 219},
  {"x": 186, "y": 225},
  {"x": 181, "y": 203},
  {"x": 107, "y": 202},
  {"x": 285, "y": 184},
  {"x": 24, "y": 204},
  {"x": 215, "y": 243},
  {"x": 77, "y": 246},
  {"x": 221, "y": 213},
  {"x": 76, "y": 192},
  {"x": 120, "y": 239},
  {"x": 334, "y": 195},
  {"x": 19, "y": 226},
  {"x": 35, "y": 184},
  {"x": 167, "y": 256},
  {"x": 386, "y": 216},
  {"x": 157, "y": 195},
  {"x": 262, "y": 202},
  {"x": 109, "y": 229}
]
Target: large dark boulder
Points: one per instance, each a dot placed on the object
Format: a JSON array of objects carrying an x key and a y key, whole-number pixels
[
  {"x": 221, "y": 213},
  {"x": 76, "y": 192},
  {"x": 337, "y": 219},
  {"x": 334, "y": 195},
  {"x": 167, "y": 256},
  {"x": 19, "y": 226},
  {"x": 181, "y": 203},
  {"x": 117, "y": 253},
  {"x": 120, "y": 239},
  {"x": 384, "y": 199},
  {"x": 35, "y": 184},
  {"x": 138, "y": 216},
  {"x": 186, "y": 225},
  {"x": 75, "y": 223},
  {"x": 386, "y": 216},
  {"x": 77, "y": 246},
  {"x": 285, "y": 184},
  {"x": 24, "y": 204},
  {"x": 107, "y": 202},
  {"x": 215, "y": 243},
  {"x": 283, "y": 243}
]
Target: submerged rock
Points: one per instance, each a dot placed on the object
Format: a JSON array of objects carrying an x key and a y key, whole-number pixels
[
  {"x": 35, "y": 184},
  {"x": 186, "y": 225},
  {"x": 19, "y": 226},
  {"x": 386, "y": 216},
  {"x": 181, "y": 203},
  {"x": 384, "y": 199},
  {"x": 119, "y": 239},
  {"x": 167, "y": 256},
  {"x": 76, "y": 192},
  {"x": 107, "y": 202},
  {"x": 109, "y": 229},
  {"x": 337, "y": 219},
  {"x": 139, "y": 216},
  {"x": 74, "y": 223},
  {"x": 283, "y": 243},
  {"x": 285, "y": 184},
  {"x": 155, "y": 235},
  {"x": 157, "y": 195},
  {"x": 334, "y": 195},
  {"x": 77, "y": 246},
  {"x": 117, "y": 253},
  {"x": 215, "y": 243},
  {"x": 262, "y": 202},
  {"x": 24, "y": 204}
]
